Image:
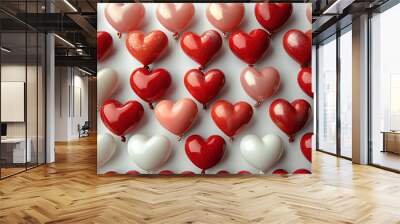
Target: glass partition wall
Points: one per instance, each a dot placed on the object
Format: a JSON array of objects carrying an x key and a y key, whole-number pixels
[
  {"x": 22, "y": 76},
  {"x": 334, "y": 94},
  {"x": 385, "y": 90}
]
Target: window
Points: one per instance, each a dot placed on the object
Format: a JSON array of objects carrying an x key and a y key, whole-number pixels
[
  {"x": 385, "y": 89},
  {"x": 327, "y": 96},
  {"x": 345, "y": 92}
]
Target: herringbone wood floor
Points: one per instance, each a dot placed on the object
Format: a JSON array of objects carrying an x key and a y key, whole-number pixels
[{"x": 69, "y": 191}]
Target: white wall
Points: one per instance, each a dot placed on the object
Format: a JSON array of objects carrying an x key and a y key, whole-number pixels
[{"x": 69, "y": 82}]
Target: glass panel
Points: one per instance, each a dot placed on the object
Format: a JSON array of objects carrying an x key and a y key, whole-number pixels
[
  {"x": 31, "y": 99},
  {"x": 385, "y": 89},
  {"x": 327, "y": 96},
  {"x": 41, "y": 99},
  {"x": 346, "y": 94},
  {"x": 13, "y": 87}
]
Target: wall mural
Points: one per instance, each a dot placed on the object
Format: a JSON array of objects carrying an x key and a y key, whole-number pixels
[{"x": 219, "y": 88}]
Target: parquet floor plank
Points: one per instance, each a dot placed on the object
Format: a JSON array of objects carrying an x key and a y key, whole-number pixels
[{"x": 69, "y": 191}]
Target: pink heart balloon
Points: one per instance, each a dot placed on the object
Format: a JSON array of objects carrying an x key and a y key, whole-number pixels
[
  {"x": 178, "y": 117},
  {"x": 260, "y": 85},
  {"x": 124, "y": 17},
  {"x": 225, "y": 16},
  {"x": 175, "y": 16}
]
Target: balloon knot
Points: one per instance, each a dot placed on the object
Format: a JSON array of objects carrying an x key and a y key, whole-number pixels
[
  {"x": 119, "y": 35},
  {"x": 179, "y": 138},
  {"x": 204, "y": 106},
  {"x": 257, "y": 104},
  {"x": 225, "y": 34},
  {"x": 146, "y": 67},
  {"x": 231, "y": 139},
  {"x": 203, "y": 172},
  {"x": 151, "y": 105},
  {"x": 201, "y": 68},
  {"x": 269, "y": 33},
  {"x": 176, "y": 36},
  {"x": 251, "y": 65},
  {"x": 123, "y": 139},
  {"x": 291, "y": 138}
]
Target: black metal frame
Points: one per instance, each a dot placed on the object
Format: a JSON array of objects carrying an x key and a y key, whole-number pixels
[{"x": 44, "y": 80}]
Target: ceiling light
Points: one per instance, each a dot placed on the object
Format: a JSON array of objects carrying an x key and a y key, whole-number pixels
[
  {"x": 5, "y": 50},
  {"x": 337, "y": 7},
  {"x": 84, "y": 71},
  {"x": 70, "y": 5},
  {"x": 64, "y": 40}
]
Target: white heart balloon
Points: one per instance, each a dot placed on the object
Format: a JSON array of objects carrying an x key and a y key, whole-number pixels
[
  {"x": 106, "y": 148},
  {"x": 261, "y": 153},
  {"x": 107, "y": 84},
  {"x": 149, "y": 153}
]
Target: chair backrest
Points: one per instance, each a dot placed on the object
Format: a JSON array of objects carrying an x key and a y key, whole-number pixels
[{"x": 86, "y": 124}]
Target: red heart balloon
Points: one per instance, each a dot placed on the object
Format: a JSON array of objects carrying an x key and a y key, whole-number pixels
[
  {"x": 204, "y": 87},
  {"x": 272, "y": 16},
  {"x": 306, "y": 145},
  {"x": 249, "y": 47},
  {"x": 302, "y": 171},
  {"x": 290, "y": 117},
  {"x": 166, "y": 172},
  {"x": 244, "y": 172},
  {"x": 304, "y": 79},
  {"x": 150, "y": 85},
  {"x": 205, "y": 154},
  {"x": 104, "y": 44},
  {"x": 298, "y": 46},
  {"x": 231, "y": 119},
  {"x": 201, "y": 48},
  {"x": 309, "y": 34},
  {"x": 121, "y": 119},
  {"x": 280, "y": 172},
  {"x": 146, "y": 48}
]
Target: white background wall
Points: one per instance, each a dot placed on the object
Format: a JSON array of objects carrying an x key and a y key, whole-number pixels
[{"x": 68, "y": 82}]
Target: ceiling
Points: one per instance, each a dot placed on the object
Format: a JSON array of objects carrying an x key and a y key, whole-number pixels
[{"x": 74, "y": 22}]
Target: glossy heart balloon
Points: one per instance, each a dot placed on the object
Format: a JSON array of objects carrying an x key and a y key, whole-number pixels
[
  {"x": 119, "y": 118},
  {"x": 205, "y": 153},
  {"x": 260, "y": 85},
  {"x": 124, "y": 17},
  {"x": 261, "y": 153},
  {"x": 146, "y": 48},
  {"x": 106, "y": 148},
  {"x": 201, "y": 48},
  {"x": 225, "y": 16},
  {"x": 249, "y": 47},
  {"x": 309, "y": 34},
  {"x": 309, "y": 13},
  {"x": 306, "y": 145},
  {"x": 231, "y": 119},
  {"x": 176, "y": 117},
  {"x": 104, "y": 45},
  {"x": 298, "y": 46},
  {"x": 304, "y": 79},
  {"x": 280, "y": 172},
  {"x": 290, "y": 117},
  {"x": 302, "y": 171},
  {"x": 204, "y": 87},
  {"x": 150, "y": 85},
  {"x": 149, "y": 153},
  {"x": 273, "y": 16},
  {"x": 176, "y": 17},
  {"x": 107, "y": 84}
]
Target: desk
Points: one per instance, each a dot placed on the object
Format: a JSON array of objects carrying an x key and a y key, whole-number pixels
[
  {"x": 391, "y": 141},
  {"x": 17, "y": 150}
]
